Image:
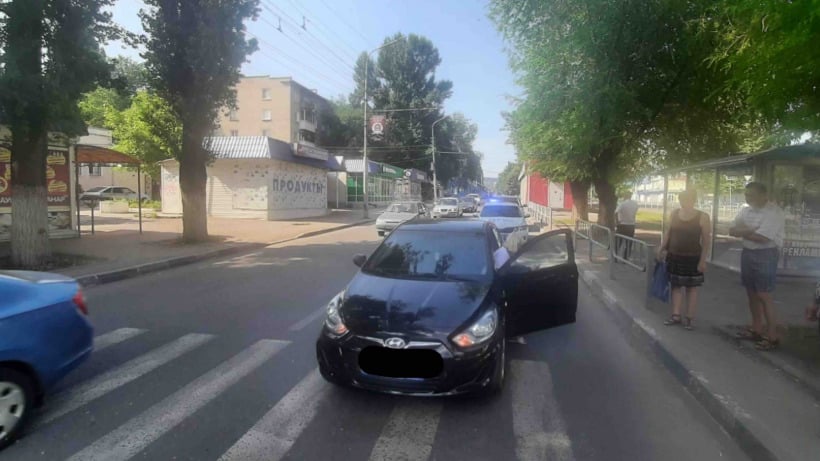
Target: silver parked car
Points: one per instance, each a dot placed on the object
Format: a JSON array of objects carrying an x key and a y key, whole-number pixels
[
  {"x": 398, "y": 213},
  {"x": 111, "y": 193}
]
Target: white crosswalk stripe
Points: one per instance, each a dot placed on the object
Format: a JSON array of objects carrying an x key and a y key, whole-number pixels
[
  {"x": 115, "y": 337},
  {"x": 539, "y": 428},
  {"x": 139, "y": 432},
  {"x": 409, "y": 432},
  {"x": 96, "y": 387},
  {"x": 274, "y": 434}
]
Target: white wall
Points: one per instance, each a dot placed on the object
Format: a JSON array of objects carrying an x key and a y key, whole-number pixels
[{"x": 264, "y": 189}]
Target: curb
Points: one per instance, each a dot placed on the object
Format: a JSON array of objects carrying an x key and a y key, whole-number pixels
[
  {"x": 156, "y": 266},
  {"x": 713, "y": 403},
  {"x": 789, "y": 370}
]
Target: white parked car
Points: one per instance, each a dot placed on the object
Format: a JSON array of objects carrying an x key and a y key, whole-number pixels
[
  {"x": 509, "y": 218},
  {"x": 397, "y": 213},
  {"x": 447, "y": 207},
  {"x": 111, "y": 193}
]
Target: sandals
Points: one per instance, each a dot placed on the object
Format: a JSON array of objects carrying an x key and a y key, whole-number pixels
[
  {"x": 749, "y": 335},
  {"x": 687, "y": 324},
  {"x": 673, "y": 320},
  {"x": 766, "y": 344}
]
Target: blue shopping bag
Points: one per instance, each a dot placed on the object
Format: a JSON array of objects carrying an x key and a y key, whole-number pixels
[{"x": 660, "y": 282}]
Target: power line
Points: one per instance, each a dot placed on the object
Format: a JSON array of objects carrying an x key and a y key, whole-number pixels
[
  {"x": 322, "y": 29},
  {"x": 267, "y": 5},
  {"x": 298, "y": 43},
  {"x": 336, "y": 82},
  {"x": 339, "y": 16}
]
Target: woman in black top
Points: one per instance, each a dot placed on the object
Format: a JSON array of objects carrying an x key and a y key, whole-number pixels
[{"x": 685, "y": 247}]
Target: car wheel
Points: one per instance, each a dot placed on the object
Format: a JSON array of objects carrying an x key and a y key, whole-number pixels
[
  {"x": 16, "y": 403},
  {"x": 381, "y": 233}
]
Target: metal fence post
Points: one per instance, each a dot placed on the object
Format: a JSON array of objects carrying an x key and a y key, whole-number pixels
[
  {"x": 650, "y": 272},
  {"x": 575, "y": 237},
  {"x": 612, "y": 238}
]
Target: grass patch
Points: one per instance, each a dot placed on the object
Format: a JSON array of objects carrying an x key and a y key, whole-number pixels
[
  {"x": 650, "y": 220},
  {"x": 149, "y": 204}
]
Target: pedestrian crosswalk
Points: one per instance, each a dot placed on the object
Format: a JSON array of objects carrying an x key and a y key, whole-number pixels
[{"x": 409, "y": 428}]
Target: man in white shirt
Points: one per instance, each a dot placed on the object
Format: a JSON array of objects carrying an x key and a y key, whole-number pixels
[
  {"x": 625, "y": 219},
  {"x": 761, "y": 225}
]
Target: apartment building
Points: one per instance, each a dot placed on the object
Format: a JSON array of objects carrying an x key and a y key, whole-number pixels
[{"x": 276, "y": 107}]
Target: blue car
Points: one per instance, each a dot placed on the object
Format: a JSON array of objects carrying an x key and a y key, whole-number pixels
[{"x": 44, "y": 334}]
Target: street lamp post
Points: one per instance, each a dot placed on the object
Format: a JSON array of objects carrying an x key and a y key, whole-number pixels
[
  {"x": 435, "y": 180},
  {"x": 364, "y": 123}
]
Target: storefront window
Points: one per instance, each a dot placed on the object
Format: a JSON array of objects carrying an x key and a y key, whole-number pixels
[{"x": 796, "y": 189}]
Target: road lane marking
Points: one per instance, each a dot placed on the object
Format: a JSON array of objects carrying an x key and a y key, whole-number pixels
[
  {"x": 115, "y": 337},
  {"x": 539, "y": 428},
  {"x": 273, "y": 435},
  {"x": 98, "y": 386},
  {"x": 139, "y": 432},
  {"x": 308, "y": 320},
  {"x": 409, "y": 433}
]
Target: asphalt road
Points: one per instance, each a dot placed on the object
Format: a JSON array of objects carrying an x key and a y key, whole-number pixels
[{"x": 216, "y": 361}]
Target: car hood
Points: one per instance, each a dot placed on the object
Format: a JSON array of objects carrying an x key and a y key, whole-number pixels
[
  {"x": 393, "y": 216},
  {"x": 425, "y": 308},
  {"x": 503, "y": 223}
]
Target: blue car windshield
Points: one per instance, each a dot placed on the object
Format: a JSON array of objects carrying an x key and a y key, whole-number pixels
[{"x": 430, "y": 255}]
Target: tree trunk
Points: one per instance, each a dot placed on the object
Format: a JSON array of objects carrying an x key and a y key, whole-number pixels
[
  {"x": 607, "y": 201},
  {"x": 580, "y": 199},
  {"x": 192, "y": 182},
  {"x": 30, "y": 247}
]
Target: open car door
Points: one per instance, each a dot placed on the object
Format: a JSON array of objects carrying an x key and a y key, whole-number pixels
[{"x": 540, "y": 284}]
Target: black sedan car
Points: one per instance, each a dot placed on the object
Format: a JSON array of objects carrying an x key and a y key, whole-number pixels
[{"x": 429, "y": 312}]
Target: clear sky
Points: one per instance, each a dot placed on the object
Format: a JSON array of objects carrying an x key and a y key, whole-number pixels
[{"x": 323, "y": 55}]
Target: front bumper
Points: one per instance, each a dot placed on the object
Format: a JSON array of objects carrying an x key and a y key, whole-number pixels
[
  {"x": 462, "y": 372},
  {"x": 445, "y": 214},
  {"x": 386, "y": 227}
]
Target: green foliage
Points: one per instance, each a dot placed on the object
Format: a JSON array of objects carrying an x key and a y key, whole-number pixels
[
  {"x": 97, "y": 105},
  {"x": 194, "y": 50},
  {"x": 770, "y": 50},
  {"x": 508, "y": 183},
  {"x": 50, "y": 57},
  {"x": 148, "y": 130}
]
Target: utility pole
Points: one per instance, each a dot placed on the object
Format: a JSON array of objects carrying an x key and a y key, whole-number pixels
[
  {"x": 435, "y": 179},
  {"x": 364, "y": 124}
]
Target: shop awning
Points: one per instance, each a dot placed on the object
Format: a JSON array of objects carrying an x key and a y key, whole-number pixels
[{"x": 103, "y": 156}]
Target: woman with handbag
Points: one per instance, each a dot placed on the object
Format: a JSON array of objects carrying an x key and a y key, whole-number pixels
[{"x": 685, "y": 247}]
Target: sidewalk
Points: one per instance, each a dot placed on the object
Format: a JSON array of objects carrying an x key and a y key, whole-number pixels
[
  {"x": 117, "y": 250},
  {"x": 768, "y": 401}
]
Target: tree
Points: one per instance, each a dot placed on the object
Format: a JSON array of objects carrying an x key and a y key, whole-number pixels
[
  {"x": 148, "y": 130},
  {"x": 508, "y": 183},
  {"x": 770, "y": 50},
  {"x": 50, "y": 57},
  {"x": 127, "y": 77},
  {"x": 604, "y": 82},
  {"x": 194, "y": 51}
]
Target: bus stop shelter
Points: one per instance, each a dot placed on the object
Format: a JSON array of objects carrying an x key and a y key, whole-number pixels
[
  {"x": 792, "y": 176},
  {"x": 87, "y": 155}
]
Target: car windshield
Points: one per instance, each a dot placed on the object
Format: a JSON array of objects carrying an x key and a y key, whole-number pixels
[
  {"x": 431, "y": 255},
  {"x": 400, "y": 208},
  {"x": 448, "y": 202},
  {"x": 97, "y": 189},
  {"x": 500, "y": 211}
]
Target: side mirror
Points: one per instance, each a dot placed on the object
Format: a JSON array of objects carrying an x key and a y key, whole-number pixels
[{"x": 359, "y": 260}]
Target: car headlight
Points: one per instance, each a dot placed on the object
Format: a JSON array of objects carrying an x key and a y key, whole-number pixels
[
  {"x": 480, "y": 331},
  {"x": 334, "y": 321}
]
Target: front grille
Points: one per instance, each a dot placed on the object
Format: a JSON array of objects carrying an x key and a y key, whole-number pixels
[{"x": 401, "y": 363}]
